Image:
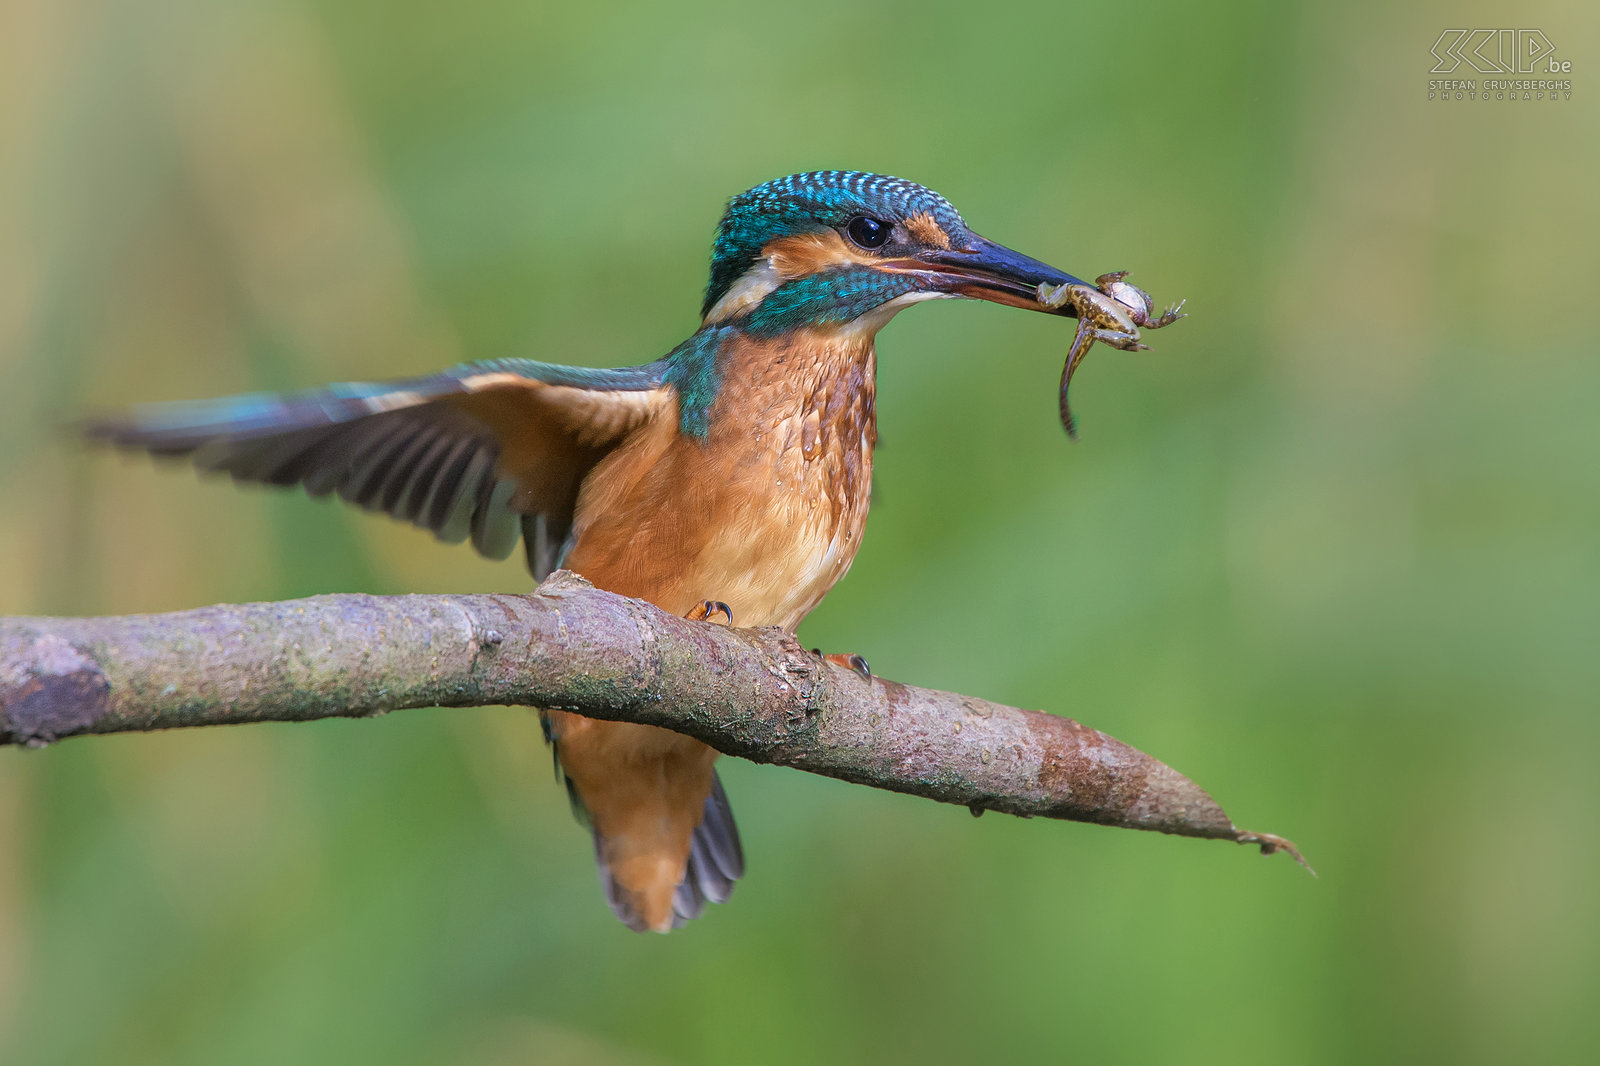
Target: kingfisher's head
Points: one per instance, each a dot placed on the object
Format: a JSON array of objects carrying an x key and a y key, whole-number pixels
[{"x": 840, "y": 247}]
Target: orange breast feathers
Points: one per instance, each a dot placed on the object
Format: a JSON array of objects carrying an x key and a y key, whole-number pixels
[{"x": 766, "y": 512}]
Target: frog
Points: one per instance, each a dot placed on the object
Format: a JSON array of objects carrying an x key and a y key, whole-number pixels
[{"x": 1111, "y": 311}]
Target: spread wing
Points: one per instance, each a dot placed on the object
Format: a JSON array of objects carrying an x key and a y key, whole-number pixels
[{"x": 494, "y": 451}]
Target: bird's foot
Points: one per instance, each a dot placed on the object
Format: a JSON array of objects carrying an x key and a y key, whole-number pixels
[
  {"x": 706, "y": 610},
  {"x": 848, "y": 660}
]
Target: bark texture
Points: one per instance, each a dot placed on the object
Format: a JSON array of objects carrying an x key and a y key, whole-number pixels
[{"x": 754, "y": 693}]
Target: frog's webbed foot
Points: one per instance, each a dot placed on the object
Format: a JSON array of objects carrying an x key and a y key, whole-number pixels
[
  {"x": 1167, "y": 317},
  {"x": 706, "y": 609}
]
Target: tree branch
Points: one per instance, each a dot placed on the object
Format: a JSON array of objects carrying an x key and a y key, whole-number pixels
[{"x": 754, "y": 693}]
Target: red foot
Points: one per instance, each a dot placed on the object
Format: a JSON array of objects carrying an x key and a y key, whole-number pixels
[
  {"x": 848, "y": 660},
  {"x": 705, "y": 609}
]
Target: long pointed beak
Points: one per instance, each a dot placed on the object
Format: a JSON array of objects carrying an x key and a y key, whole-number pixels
[{"x": 989, "y": 271}]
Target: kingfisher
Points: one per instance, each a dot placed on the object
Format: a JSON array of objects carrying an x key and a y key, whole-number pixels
[{"x": 727, "y": 481}]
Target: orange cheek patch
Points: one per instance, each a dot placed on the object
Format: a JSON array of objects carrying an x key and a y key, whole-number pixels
[
  {"x": 925, "y": 229},
  {"x": 811, "y": 253}
]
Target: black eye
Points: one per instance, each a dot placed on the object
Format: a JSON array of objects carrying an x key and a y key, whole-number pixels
[{"x": 868, "y": 232}]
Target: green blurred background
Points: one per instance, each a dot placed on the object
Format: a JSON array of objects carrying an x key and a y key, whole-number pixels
[{"x": 1332, "y": 548}]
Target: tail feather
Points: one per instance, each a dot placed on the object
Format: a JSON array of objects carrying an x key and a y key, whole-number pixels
[
  {"x": 715, "y": 862},
  {"x": 716, "y": 845},
  {"x": 618, "y": 899},
  {"x": 687, "y": 899},
  {"x": 716, "y": 859}
]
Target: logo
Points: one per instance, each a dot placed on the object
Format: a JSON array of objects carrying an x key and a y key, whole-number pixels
[
  {"x": 1513, "y": 52},
  {"x": 1500, "y": 51}
]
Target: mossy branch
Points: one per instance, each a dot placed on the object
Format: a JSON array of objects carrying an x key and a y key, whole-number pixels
[{"x": 754, "y": 693}]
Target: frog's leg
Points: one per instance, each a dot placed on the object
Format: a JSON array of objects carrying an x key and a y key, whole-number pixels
[
  {"x": 1082, "y": 341},
  {"x": 1121, "y": 339},
  {"x": 1054, "y": 297}
]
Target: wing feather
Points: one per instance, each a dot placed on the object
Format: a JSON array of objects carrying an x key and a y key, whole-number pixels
[{"x": 494, "y": 451}]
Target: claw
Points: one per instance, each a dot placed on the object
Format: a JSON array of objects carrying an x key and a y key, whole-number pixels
[
  {"x": 848, "y": 660},
  {"x": 702, "y": 612}
]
